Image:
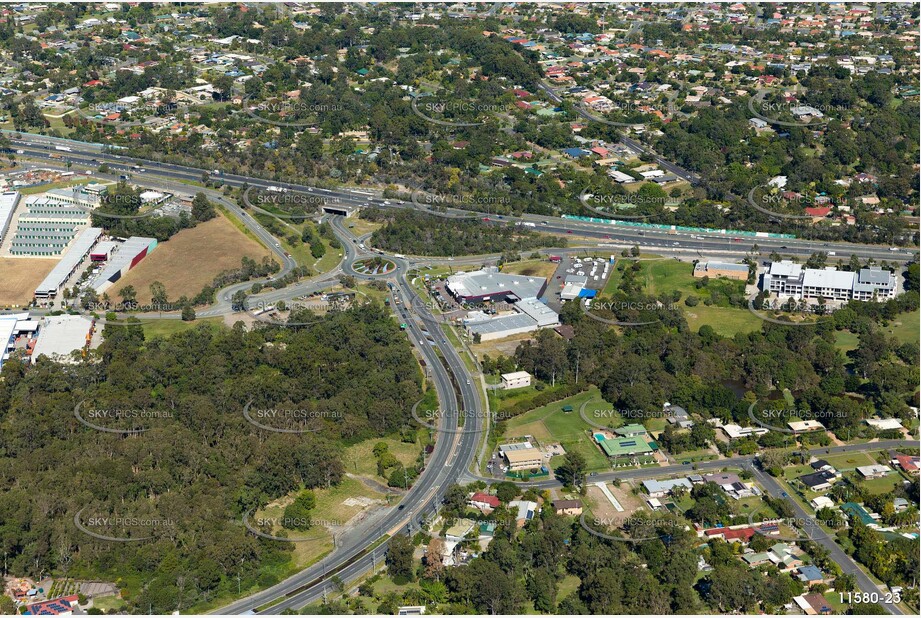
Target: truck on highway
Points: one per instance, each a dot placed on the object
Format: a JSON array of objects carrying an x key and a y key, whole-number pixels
[
  {"x": 275, "y": 189},
  {"x": 64, "y": 148}
]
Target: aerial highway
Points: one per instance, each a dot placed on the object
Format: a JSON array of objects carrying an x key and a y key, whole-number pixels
[
  {"x": 41, "y": 147},
  {"x": 361, "y": 549},
  {"x": 454, "y": 450}
]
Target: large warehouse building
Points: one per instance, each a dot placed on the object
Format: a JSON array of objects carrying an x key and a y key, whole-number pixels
[
  {"x": 61, "y": 335},
  {"x": 122, "y": 258},
  {"x": 47, "y": 227},
  {"x": 489, "y": 284},
  {"x": 63, "y": 270},
  {"x": 8, "y": 202},
  {"x": 531, "y": 314}
]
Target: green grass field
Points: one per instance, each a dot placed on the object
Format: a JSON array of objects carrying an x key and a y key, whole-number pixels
[
  {"x": 550, "y": 423},
  {"x": 165, "y": 328},
  {"x": 725, "y": 321},
  {"x": 849, "y": 461},
  {"x": 55, "y": 185},
  {"x": 905, "y": 327},
  {"x": 884, "y": 485},
  {"x": 359, "y": 458},
  {"x": 846, "y": 340},
  {"x": 666, "y": 276}
]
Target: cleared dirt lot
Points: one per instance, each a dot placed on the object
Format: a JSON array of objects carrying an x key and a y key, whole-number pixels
[
  {"x": 20, "y": 276},
  {"x": 603, "y": 509},
  {"x": 191, "y": 259}
]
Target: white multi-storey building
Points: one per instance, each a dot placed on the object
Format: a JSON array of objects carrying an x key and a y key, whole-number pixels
[{"x": 788, "y": 279}]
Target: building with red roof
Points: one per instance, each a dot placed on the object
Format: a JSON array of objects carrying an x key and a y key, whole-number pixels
[
  {"x": 484, "y": 501},
  {"x": 62, "y": 606},
  {"x": 732, "y": 535},
  {"x": 818, "y": 212},
  {"x": 908, "y": 463}
]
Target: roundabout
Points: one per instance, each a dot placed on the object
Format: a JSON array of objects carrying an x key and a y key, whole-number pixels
[{"x": 374, "y": 267}]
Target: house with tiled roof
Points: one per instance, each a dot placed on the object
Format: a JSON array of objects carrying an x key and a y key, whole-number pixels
[
  {"x": 484, "y": 502},
  {"x": 908, "y": 463}
]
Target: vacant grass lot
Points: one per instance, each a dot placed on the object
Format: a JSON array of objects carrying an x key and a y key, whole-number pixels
[
  {"x": 191, "y": 259},
  {"x": 884, "y": 485},
  {"x": 72, "y": 182},
  {"x": 19, "y": 278},
  {"x": 532, "y": 268},
  {"x": 846, "y": 462},
  {"x": 359, "y": 458},
  {"x": 725, "y": 321},
  {"x": 335, "y": 506},
  {"x": 165, "y": 328},
  {"x": 551, "y": 424},
  {"x": 905, "y": 328},
  {"x": 660, "y": 276}
]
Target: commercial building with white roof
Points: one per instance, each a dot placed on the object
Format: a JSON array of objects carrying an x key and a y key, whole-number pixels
[
  {"x": 61, "y": 335},
  {"x": 516, "y": 379},
  {"x": 62, "y": 271},
  {"x": 8, "y": 202},
  {"x": 122, "y": 258},
  {"x": 532, "y": 315},
  {"x": 538, "y": 311},
  {"x": 489, "y": 284},
  {"x": 12, "y": 328},
  {"x": 788, "y": 279}
]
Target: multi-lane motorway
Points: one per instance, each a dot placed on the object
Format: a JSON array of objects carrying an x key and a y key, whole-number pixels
[
  {"x": 454, "y": 450},
  {"x": 705, "y": 243}
]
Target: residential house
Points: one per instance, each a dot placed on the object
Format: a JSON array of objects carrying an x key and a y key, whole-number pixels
[
  {"x": 484, "y": 502},
  {"x": 525, "y": 511},
  {"x": 567, "y": 507},
  {"x": 813, "y": 604},
  {"x": 909, "y": 463},
  {"x": 819, "y": 481},
  {"x": 810, "y": 575},
  {"x": 873, "y": 472},
  {"x": 660, "y": 489}
]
